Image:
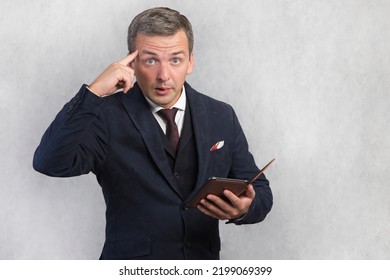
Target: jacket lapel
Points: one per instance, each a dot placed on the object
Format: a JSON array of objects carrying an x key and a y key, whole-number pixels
[
  {"x": 140, "y": 114},
  {"x": 187, "y": 130},
  {"x": 200, "y": 122}
]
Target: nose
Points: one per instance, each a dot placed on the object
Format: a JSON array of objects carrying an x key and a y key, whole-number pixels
[{"x": 163, "y": 73}]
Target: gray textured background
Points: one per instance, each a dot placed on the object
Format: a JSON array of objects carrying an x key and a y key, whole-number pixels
[{"x": 309, "y": 81}]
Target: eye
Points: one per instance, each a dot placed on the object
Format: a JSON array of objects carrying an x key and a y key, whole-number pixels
[
  {"x": 150, "y": 61},
  {"x": 176, "y": 60}
]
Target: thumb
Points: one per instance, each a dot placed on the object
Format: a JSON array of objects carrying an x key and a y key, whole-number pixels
[{"x": 250, "y": 191}]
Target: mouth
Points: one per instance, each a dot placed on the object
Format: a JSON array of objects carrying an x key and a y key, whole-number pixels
[{"x": 162, "y": 90}]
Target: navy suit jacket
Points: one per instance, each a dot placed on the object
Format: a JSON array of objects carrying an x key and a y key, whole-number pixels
[{"x": 118, "y": 139}]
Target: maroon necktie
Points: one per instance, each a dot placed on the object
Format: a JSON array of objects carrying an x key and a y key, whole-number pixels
[{"x": 172, "y": 131}]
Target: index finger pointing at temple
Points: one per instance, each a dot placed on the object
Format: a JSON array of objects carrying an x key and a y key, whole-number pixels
[{"x": 128, "y": 59}]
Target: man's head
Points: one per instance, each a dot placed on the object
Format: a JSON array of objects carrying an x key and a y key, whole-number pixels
[
  {"x": 159, "y": 21},
  {"x": 164, "y": 41}
]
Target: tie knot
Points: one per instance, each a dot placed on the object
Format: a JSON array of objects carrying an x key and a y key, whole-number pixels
[{"x": 168, "y": 114}]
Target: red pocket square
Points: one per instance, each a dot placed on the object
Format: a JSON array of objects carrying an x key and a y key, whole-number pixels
[{"x": 217, "y": 146}]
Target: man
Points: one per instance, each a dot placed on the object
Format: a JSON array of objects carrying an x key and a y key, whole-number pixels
[{"x": 145, "y": 178}]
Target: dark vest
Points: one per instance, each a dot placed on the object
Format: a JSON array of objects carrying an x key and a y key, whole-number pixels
[{"x": 185, "y": 164}]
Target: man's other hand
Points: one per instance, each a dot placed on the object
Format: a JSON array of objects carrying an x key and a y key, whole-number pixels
[{"x": 234, "y": 207}]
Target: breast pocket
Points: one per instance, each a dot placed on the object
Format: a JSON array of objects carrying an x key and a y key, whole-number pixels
[{"x": 219, "y": 159}]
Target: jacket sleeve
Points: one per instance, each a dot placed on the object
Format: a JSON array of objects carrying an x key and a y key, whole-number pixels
[
  {"x": 244, "y": 167},
  {"x": 76, "y": 142}
]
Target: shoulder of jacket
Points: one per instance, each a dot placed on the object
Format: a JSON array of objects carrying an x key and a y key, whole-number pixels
[{"x": 206, "y": 99}]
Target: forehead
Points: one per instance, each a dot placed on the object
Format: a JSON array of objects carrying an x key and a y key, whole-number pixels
[{"x": 177, "y": 42}]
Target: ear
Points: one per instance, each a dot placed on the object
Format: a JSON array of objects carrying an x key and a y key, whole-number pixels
[{"x": 191, "y": 64}]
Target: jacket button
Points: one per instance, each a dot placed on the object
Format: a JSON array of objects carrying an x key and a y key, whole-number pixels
[
  {"x": 177, "y": 175},
  {"x": 188, "y": 244}
]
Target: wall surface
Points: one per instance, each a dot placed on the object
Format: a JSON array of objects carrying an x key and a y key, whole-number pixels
[{"x": 309, "y": 81}]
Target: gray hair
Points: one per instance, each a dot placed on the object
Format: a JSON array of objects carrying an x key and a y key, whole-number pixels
[{"x": 159, "y": 21}]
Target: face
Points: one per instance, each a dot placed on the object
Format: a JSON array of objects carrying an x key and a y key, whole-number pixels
[{"x": 162, "y": 64}]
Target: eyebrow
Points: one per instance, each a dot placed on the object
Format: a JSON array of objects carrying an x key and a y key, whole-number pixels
[
  {"x": 146, "y": 52},
  {"x": 179, "y": 52}
]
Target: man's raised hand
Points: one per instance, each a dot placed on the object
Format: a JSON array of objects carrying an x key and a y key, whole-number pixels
[{"x": 118, "y": 75}]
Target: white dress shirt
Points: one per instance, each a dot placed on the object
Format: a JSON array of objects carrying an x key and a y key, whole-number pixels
[{"x": 179, "y": 118}]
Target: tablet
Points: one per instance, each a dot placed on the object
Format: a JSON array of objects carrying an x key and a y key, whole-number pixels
[{"x": 216, "y": 186}]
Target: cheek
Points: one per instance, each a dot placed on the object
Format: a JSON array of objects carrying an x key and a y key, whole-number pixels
[
  {"x": 143, "y": 74},
  {"x": 180, "y": 74}
]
